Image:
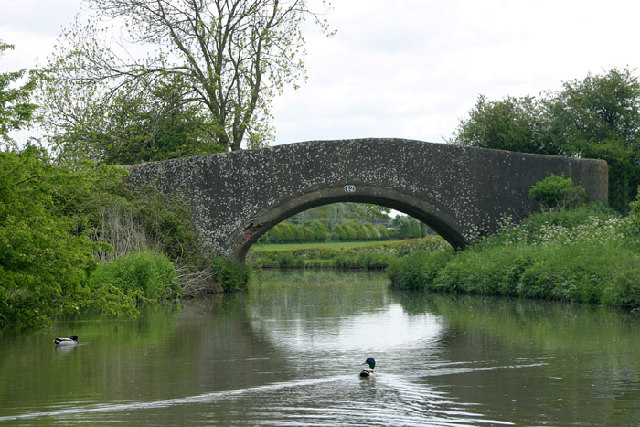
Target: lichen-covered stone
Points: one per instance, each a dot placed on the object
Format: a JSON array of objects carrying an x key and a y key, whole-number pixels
[{"x": 459, "y": 191}]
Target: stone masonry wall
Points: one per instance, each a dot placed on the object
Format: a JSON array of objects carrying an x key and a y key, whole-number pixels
[{"x": 459, "y": 191}]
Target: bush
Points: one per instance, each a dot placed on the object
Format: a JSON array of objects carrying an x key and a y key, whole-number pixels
[
  {"x": 557, "y": 192},
  {"x": 339, "y": 233},
  {"x": 418, "y": 271},
  {"x": 167, "y": 223},
  {"x": 476, "y": 273},
  {"x": 231, "y": 276},
  {"x": 44, "y": 259},
  {"x": 57, "y": 222},
  {"x": 321, "y": 230},
  {"x": 145, "y": 272}
]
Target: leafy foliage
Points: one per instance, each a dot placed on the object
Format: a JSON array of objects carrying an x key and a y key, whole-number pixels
[
  {"x": 133, "y": 126},
  {"x": 401, "y": 227},
  {"x": 635, "y": 210},
  {"x": 16, "y": 108},
  {"x": 558, "y": 192},
  {"x": 406, "y": 227},
  {"x": 597, "y": 117},
  {"x": 42, "y": 261},
  {"x": 515, "y": 124},
  {"x": 147, "y": 274},
  {"x": 353, "y": 229},
  {"x": 338, "y": 212},
  {"x": 57, "y": 223},
  {"x": 231, "y": 276}
]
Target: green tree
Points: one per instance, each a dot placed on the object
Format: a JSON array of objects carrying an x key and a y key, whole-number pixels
[
  {"x": 599, "y": 117},
  {"x": 515, "y": 124},
  {"x": 383, "y": 232},
  {"x": 299, "y": 233},
  {"x": 274, "y": 235},
  {"x": 57, "y": 222},
  {"x": 134, "y": 127},
  {"x": 339, "y": 233},
  {"x": 371, "y": 231},
  {"x": 320, "y": 230},
  {"x": 234, "y": 57},
  {"x": 16, "y": 108},
  {"x": 288, "y": 232},
  {"x": 338, "y": 212},
  {"x": 350, "y": 232},
  {"x": 596, "y": 109},
  {"x": 406, "y": 227},
  {"x": 42, "y": 262},
  {"x": 362, "y": 233},
  {"x": 309, "y": 233}
]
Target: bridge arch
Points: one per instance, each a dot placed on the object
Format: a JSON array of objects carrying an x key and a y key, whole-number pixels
[
  {"x": 459, "y": 191},
  {"x": 443, "y": 224}
]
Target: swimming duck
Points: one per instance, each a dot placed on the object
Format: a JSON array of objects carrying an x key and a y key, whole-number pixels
[
  {"x": 72, "y": 340},
  {"x": 367, "y": 372}
]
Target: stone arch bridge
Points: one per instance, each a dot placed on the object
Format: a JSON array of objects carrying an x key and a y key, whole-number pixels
[{"x": 459, "y": 192}]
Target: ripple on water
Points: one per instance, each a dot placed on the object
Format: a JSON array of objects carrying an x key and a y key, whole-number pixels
[{"x": 386, "y": 399}]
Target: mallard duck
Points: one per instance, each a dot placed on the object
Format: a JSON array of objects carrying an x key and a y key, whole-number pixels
[
  {"x": 72, "y": 340},
  {"x": 372, "y": 364}
]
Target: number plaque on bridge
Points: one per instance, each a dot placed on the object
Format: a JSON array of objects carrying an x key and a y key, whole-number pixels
[{"x": 349, "y": 188}]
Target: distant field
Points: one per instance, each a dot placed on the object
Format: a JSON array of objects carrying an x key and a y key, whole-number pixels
[{"x": 259, "y": 247}]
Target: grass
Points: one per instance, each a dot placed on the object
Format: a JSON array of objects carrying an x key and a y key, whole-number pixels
[{"x": 270, "y": 247}]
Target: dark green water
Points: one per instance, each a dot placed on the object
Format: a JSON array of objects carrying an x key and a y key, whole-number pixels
[{"x": 288, "y": 353}]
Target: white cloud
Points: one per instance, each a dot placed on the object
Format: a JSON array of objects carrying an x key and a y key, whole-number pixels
[
  {"x": 33, "y": 27},
  {"x": 407, "y": 68},
  {"x": 415, "y": 68}
]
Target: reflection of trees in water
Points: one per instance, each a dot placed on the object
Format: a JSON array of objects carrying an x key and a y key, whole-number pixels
[
  {"x": 414, "y": 302},
  {"x": 551, "y": 324},
  {"x": 100, "y": 365},
  {"x": 214, "y": 334},
  {"x": 514, "y": 318},
  {"x": 287, "y": 294},
  {"x": 580, "y": 352}
]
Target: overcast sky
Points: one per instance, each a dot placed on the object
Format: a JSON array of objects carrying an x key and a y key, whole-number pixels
[{"x": 406, "y": 68}]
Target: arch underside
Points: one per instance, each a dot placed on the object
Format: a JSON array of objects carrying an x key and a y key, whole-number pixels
[{"x": 439, "y": 220}]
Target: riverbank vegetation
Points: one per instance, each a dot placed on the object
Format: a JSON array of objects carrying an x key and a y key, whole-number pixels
[
  {"x": 589, "y": 254},
  {"x": 76, "y": 238},
  {"x": 341, "y": 255}
]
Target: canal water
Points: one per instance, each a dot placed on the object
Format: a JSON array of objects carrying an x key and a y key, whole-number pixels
[{"x": 288, "y": 352}]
